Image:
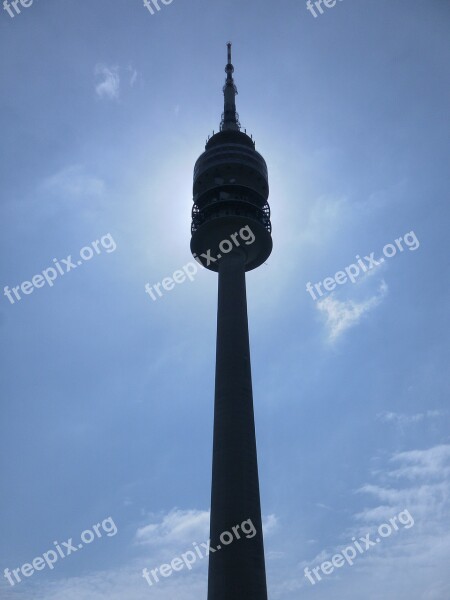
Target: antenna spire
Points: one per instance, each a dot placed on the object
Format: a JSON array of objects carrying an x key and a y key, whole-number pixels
[{"x": 230, "y": 118}]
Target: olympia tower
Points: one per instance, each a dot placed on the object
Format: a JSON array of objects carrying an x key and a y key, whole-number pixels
[{"x": 230, "y": 192}]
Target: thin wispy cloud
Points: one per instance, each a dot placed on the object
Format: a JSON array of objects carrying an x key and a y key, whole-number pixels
[
  {"x": 164, "y": 537},
  {"x": 115, "y": 584},
  {"x": 341, "y": 315},
  {"x": 175, "y": 527},
  {"x": 74, "y": 181},
  {"x": 108, "y": 82},
  {"x": 270, "y": 524},
  {"x": 184, "y": 527},
  {"x": 404, "y": 420},
  {"x": 133, "y": 76},
  {"x": 320, "y": 219},
  {"x": 416, "y": 464},
  {"x": 415, "y": 481}
]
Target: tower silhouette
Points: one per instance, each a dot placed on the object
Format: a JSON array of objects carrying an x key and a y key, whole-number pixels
[{"x": 230, "y": 198}]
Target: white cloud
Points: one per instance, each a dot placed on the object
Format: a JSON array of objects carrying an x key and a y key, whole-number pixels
[
  {"x": 109, "y": 82},
  {"x": 324, "y": 506},
  {"x": 270, "y": 524},
  {"x": 176, "y": 527},
  {"x": 415, "y": 464},
  {"x": 411, "y": 562},
  {"x": 416, "y": 479},
  {"x": 341, "y": 315},
  {"x": 114, "y": 584},
  {"x": 181, "y": 527},
  {"x": 167, "y": 536},
  {"x": 404, "y": 420}
]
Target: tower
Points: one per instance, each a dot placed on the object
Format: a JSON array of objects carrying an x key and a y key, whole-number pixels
[{"x": 230, "y": 197}]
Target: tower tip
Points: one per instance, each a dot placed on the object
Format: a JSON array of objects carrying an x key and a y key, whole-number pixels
[{"x": 230, "y": 118}]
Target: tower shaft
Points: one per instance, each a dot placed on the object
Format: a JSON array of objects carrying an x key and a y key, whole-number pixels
[
  {"x": 236, "y": 571},
  {"x": 230, "y": 193}
]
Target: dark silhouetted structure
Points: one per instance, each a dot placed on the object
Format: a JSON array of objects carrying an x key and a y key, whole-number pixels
[{"x": 230, "y": 199}]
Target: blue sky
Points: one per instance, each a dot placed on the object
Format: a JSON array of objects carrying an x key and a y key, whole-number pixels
[{"x": 107, "y": 396}]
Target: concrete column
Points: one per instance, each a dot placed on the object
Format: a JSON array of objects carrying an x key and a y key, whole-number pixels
[{"x": 237, "y": 570}]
